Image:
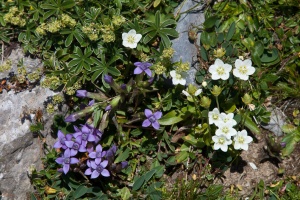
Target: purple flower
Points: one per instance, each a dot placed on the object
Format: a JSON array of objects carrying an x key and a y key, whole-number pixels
[
  {"x": 124, "y": 164},
  {"x": 152, "y": 119},
  {"x": 84, "y": 136},
  {"x": 123, "y": 86},
  {"x": 66, "y": 160},
  {"x": 81, "y": 93},
  {"x": 96, "y": 169},
  {"x": 142, "y": 67},
  {"x": 111, "y": 152},
  {"x": 108, "y": 79},
  {"x": 61, "y": 140},
  {"x": 98, "y": 155},
  {"x": 75, "y": 146},
  {"x": 71, "y": 118},
  {"x": 108, "y": 108}
]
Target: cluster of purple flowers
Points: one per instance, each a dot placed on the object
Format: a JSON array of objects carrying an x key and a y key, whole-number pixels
[{"x": 84, "y": 140}]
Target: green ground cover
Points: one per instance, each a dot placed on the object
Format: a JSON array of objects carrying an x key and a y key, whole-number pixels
[{"x": 142, "y": 132}]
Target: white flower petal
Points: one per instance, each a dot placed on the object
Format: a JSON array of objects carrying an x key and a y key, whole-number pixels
[{"x": 199, "y": 91}]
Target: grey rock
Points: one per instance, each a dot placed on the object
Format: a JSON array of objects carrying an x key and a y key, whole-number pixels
[
  {"x": 277, "y": 120},
  {"x": 184, "y": 49},
  {"x": 19, "y": 150}
]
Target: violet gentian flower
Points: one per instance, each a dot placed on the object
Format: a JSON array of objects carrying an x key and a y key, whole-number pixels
[
  {"x": 112, "y": 151},
  {"x": 108, "y": 79},
  {"x": 98, "y": 155},
  {"x": 61, "y": 140},
  {"x": 108, "y": 108},
  {"x": 142, "y": 67},
  {"x": 71, "y": 118},
  {"x": 84, "y": 136},
  {"x": 96, "y": 169},
  {"x": 81, "y": 93},
  {"x": 152, "y": 119},
  {"x": 75, "y": 146},
  {"x": 66, "y": 160}
]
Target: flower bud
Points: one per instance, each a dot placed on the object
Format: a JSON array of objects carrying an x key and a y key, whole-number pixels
[
  {"x": 216, "y": 91},
  {"x": 247, "y": 99},
  {"x": 204, "y": 83},
  {"x": 108, "y": 79},
  {"x": 81, "y": 93},
  {"x": 49, "y": 190},
  {"x": 115, "y": 101},
  {"x": 205, "y": 102}
]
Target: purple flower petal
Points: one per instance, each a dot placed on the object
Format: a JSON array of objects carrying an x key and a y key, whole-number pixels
[
  {"x": 74, "y": 160},
  {"x": 57, "y": 145},
  {"x": 88, "y": 163},
  {"x": 70, "y": 118},
  {"x": 91, "y": 102},
  {"x": 82, "y": 148},
  {"x": 98, "y": 147},
  {"x": 66, "y": 168},
  {"x": 69, "y": 137},
  {"x": 124, "y": 164},
  {"x": 155, "y": 125},
  {"x": 81, "y": 93},
  {"x": 88, "y": 171},
  {"x": 76, "y": 134},
  {"x": 148, "y": 113},
  {"x": 91, "y": 138},
  {"x": 157, "y": 115},
  {"x": 92, "y": 155},
  {"x": 95, "y": 174},
  {"x": 138, "y": 64},
  {"x": 146, "y": 123},
  {"x": 69, "y": 144},
  {"x": 76, "y": 129},
  {"x": 105, "y": 173},
  {"x": 67, "y": 153},
  {"x": 104, "y": 163},
  {"x": 148, "y": 72},
  {"x": 137, "y": 70},
  {"x": 108, "y": 79},
  {"x": 60, "y": 134},
  {"x": 93, "y": 165},
  {"x": 74, "y": 152},
  {"x": 97, "y": 161},
  {"x": 60, "y": 160}
]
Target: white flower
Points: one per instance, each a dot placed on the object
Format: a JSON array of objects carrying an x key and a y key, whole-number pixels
[
  {"x": 131, "y": 39},
  {"x": 221, "y": 142},
  {"x": 204, "y": 83},
  {"x": 242, "y": 140},
  {"x": 219, "y": 70},
  {"x": 226, "y": 129},
  {"x": 228, "y": 118},
  {"x": 214, "y": 116},
  {"x": 178, "y": 78},
  {"x": 243, "y": 69}
]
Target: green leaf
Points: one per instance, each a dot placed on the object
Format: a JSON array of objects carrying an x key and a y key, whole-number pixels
[
  {"x": 210, "y": 22},
  {"x": 288, "y": 128},
  {"x": 124, "y": 193},
  {"x": 182, "y": 156},
  {"x": 269, "y": 56},
  {"x": 230, "y": 32},
  {"x": 203, "y": 54},
  {"x": 171, "y": 118},
  {"x": 122, "y": 156},
  {"x": 149, "y": 175},
  {"x": 69, "y": 40},
  {"x": 169, "y": 31},
  {"x": 251, "y": 125},
  {"x": 291, "y": 139},
  {"x": 138, "y": 183},
  {"x": 80, "y": 191},
  {"x": 149, "y": 37},
  {"x": 156, "y": 3},
  {"x": 68, "y": 4}
]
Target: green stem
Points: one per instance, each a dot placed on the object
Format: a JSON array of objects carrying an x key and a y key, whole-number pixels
[{"x": 217, "y": 100}]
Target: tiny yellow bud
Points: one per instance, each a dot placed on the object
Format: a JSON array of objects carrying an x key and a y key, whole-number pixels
[
  {"x": 216, "y": 91},
  {"x": 49, "y": 190},
  {"x": 247, "y": 99},
  {"x": 220, "y": 52},
  {"x": 205, "y": 102}
]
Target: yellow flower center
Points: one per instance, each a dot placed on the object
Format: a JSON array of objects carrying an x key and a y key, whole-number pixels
[
  {"x": 130, "y": 39},
  {"x": 215, "y": 116},
  {"x": 243, "y": 69},
  {"x": 225, "y": 130},
  {"x": 178, "y": 76},
  {"x": 241, "y": 140},
  {"x": 220, "y": 70},
  {"x": 221, "y": 141}
]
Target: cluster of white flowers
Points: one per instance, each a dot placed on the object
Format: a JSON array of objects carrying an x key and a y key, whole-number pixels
[
  {"x": 220, "y": 70},
  {"x": 225, "y": 131}
]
